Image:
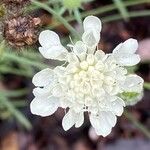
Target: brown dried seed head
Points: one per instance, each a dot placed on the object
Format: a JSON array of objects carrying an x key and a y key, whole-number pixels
[
  {"x": 21, "y": 31},
  {"x": 16, "y": 1},
  {"x": 15, "y": 7}
]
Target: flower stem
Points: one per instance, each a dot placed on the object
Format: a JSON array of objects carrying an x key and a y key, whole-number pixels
[
  {"x": 23, "y": 60},
  {"x": 19, "y": 116},
  {"x": 15, "y": 93},
  {"x": 78, "y": 16},
  {"x": 137, "y": 124},
  {"x": 147, "y": 85},
  {"x": 122, "y": 9},
  {"x": 6, "y": 69},
  {"x": 105, "y": 9},
  {"x": 132, "y": 14},
  {"x": 59, "y": 17}
]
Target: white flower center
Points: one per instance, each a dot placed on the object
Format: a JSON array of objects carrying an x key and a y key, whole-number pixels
[{"x": 88, "y": 81}]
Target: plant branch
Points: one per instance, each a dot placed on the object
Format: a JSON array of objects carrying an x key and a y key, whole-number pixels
[
  {"x": 137, "y": 124},
  {"x": 19, "y": 116},
  {"x": 56, "y": 15}
]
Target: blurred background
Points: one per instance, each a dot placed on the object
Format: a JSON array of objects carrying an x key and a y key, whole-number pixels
[{"x": 21, "y": 21}]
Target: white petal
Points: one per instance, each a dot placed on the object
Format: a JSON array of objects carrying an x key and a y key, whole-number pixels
[
  {"x": 91, "y": 39},
  {"x": 109, "y": 117},
  {"x": 41, "y": 92},
  {"x": 43, "y": 78},
  {"x": 44, "y": 107},
  {"x": 57, "y": 52},
  {"x": 128, "y": 47},
  {"x": 48, "y": 39},
  {"x": 101, "y": 125},
  {"x": 127, "y": 59},
  {"x": 57, "y": 91},
  {"x": 117, "y": 107},
  {"x": 100, "y": 55},
  {"x": 124, "y": 53},
  {"x": 133, "y": 83},
  {"x": 79, "y": 48},
  {"x": 68, "y": 120},
  {"x": 105, "y": 127},
  {"x": 92, "y": 22},
  {"x": 72, "y": 58},
  {"x": 59, "y": 70},
  {"x": 94, "y": 121},
  {"x": 79, "y": 119},
  {"x": 51, "y": 46}
]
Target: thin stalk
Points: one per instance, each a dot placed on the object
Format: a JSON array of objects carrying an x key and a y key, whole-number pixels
[
  {"x": 15, "y": 93},
  {"x": 77, "y": 15},
  {"x": 6, "y": 69},
  {"x": 56, "y": 15},
  {"x": 23, "y": 60},
  {"x": 19, "y": 103},
  {"x": 122, "y": 9},
  {"x": 147, "y": 85},
  {"x": 62, "y": 10},
  {"x": 17, "y": 114},
  {"x": 104, "y": 9},
  {"x": 132, "y": 14},
  {"x": 137, "y": 124}
]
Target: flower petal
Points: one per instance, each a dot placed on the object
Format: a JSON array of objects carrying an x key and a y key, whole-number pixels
[
  {"x": 68, "y": 120},
  {"x": 133, "y": 83},
  {"x": 44, "y": 107},
  {"x": 101, "y": 124},
  {"x": 128, "y": 47},
  {"x": 100, "y": 55},
  {"x": 109, "y": 117},
  {"x": 48, "y": 39},
  {"x": 57, "y": 91},
  {"x": 117, "y": 106},
  {"x": 41, "y": 92},
  {"x": 72, "y": 58},
  {"x": 124, "y": 53},
  {"x": 43, "y": 78},
  {"x": 51, "y": 46},
  {"x": 79, "y": 119},
  {"x": 79, "y": 48},
  {"x": 127, "y": 59},
  {"x": 92, "y": 22},
  {"x": 91, "y": 39},
  {"x": 57, "y": 52},
  {"x": 59, "y": 70}
]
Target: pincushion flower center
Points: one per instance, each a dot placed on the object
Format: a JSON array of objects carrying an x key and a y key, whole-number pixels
[{"x": 87, "y": 79}]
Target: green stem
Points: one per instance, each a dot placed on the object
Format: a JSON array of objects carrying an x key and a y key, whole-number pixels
[
  {"x": 122, "y": 9},
  {"x": 15, "y": 93},
  {"x": 19, "y": 103},
  {"x": 147, "y": 85},
  {"x": 136, "y": 123},
  {"x": 56, "y": 15},
  {"x": 132, "y": 14},
  {"x": 112, "y": 7},
  {"x": 19, "y": 116},
  {"x": 23, "y": 60},
  {"x": 78, "y": 16},
  {"x": 6, "y": 69},
  {"x": 104, "y": 9}
]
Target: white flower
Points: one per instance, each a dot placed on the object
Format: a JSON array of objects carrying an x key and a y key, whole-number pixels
[{"x": 90, "y": 82}]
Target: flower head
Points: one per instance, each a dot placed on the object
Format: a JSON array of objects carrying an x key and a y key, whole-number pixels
[
  {"x": 90, "y": 82},
  {"x": 74, "y": 4},
  {"x": 21, "y": 31}
]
